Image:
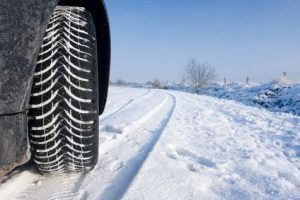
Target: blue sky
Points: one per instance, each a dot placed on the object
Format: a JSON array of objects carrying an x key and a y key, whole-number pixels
[{"x": 156, "y": 38}]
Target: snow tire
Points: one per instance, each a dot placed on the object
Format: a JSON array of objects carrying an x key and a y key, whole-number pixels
[{"x": 64, "y": 103}]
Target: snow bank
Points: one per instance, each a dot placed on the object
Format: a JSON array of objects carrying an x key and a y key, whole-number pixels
[{"x": 274, "y": 96}]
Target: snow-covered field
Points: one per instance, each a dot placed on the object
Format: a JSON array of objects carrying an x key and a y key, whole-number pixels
[{"x": 159, "y": 144}]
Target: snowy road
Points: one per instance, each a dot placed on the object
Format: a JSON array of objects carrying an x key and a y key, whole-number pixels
[{"x": 157, "y": 144}]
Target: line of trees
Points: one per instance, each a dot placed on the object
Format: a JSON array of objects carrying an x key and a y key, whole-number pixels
[{"x": 196, "y": 74}]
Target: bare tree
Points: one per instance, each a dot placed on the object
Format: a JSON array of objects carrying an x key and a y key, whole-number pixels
[{"x": 199, "y": 74}]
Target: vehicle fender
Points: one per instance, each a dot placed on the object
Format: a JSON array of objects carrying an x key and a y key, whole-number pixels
[{"x": 22, "y": 27}]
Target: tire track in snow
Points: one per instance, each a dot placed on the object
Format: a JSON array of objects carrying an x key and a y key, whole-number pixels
[
  {"x": 52, "y": 187},
  {"x": 120, "y": 158},
  {"x": 141, "y": 135},
  {"x": 69, "y": 185},
  {"x": 123, "y": 180},
  {"x": 125, "y": 105}
]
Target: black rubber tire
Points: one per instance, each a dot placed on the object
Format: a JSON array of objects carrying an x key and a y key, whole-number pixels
[{"x": 64, "y": 104}]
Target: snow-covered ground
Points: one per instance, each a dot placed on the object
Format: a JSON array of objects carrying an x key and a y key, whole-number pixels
[
  {"x": 159, "y": 144},
  {"x": 275, "y": 96}
]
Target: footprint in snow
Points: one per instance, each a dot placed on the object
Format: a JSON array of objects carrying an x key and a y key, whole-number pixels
[
  {"x": 171, "y": 155},
  {"x": 195, "y": 158},
  {"x": 110, "y": 132},
  {"x": 116, "y": 165},
  {"x": 110, "y": 129},
  {"x": 189, "y": 159}
]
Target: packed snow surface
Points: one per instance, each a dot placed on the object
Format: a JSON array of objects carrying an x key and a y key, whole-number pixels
[{"x": 158, "y": 144}]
